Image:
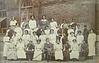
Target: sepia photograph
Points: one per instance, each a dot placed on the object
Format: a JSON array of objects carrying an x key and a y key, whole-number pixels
[{"x": 49, "y": 31}]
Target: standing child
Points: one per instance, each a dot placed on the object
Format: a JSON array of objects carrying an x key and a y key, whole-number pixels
[
  {"x": 48, "y": 50},
  {"x": 58, "y": 51},
  {"x": 66, "y": 53},
  {"x": 38, "y": 51},
  {"x": 83, "y": 51},
  {"x": 30, "y": 51}
]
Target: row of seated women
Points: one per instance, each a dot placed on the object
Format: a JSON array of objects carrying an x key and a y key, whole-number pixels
[{"x": 44, "y": 48}]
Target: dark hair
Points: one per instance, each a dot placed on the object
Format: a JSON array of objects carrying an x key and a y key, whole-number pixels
[
  {"x": 74, "y": 40},
  {"x": 79, "y": 31},
  {"x": 27, "y": 31},
  {"x": 85, "y": 25},
  {"x": 71, "y": 32},
  {"x": 31, "y": 16},
  {"x": 51, "y": 30}
]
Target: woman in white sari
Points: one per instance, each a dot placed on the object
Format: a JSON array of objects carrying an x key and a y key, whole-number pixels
[
  {"x": 13, "y": 22},
  {"x": 32, "y": 23},
  {"x": 74, "y": 55},
  {"x": 6, "y": 41},
  {"x": 26, "y": 37},
  {"x": 70, "y": 30},
  {"x": 80, "y": 38},
  {"x": 38, "y": 51},
  {"x": 91, "y": 43},
  {"x": 11, "y": 54},
  {"x": 21, "y": 50},
  {"x": 53, "y": 24},
  {"x": 34, "y": 38},
  {"x": 71, "y": 37},
  {"x": 14, "y": 39},
  {"x": 58, "y": 51},
  {"x": 52, "y": 36},
  {"x": 18, "y": 31},
  {"x": 47, "y": 31},
  {"x": 42, "y": 37}
]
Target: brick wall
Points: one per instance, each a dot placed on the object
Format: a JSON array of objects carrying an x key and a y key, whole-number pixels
[{"x": 81, "y": 10}]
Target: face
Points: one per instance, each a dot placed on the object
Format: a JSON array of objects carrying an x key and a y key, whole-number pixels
[
  {"x": 15, "y": 33},
  {"x": 30, "y": 42},
  {"x": 20, "y": 40},
  {"x": 78, "y": 26},
  {"x": 51, "y": 31},
  {"x": 47, "y": 40},
  {"x": 69, "y": 27},
  {"x": 52, "y": 19},
  {"x": 44, "y": 17},
  {"x": 27, "y": 26},
  {"x": 64, "y": 34},
  {"x": 72, "y": 34},
  {"x": 47, "y": 27},
  {"x": 32, "y": 17},
  {"x": 26, "y": 32},
  {"x": 74, "y": 41},
  {"x": 34, "y": 33},
  {"x": 79, "y": 32},
  {"x": 43, "y": 33},
  {"x": 91, "y": 31},
  {"x": 38, "y": 42}
]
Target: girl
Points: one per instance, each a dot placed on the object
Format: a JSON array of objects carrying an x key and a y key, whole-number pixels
[{"x": 74, "y": 55}]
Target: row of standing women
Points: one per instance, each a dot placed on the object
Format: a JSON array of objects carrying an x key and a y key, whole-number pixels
[{"x": 48, "y": 41}]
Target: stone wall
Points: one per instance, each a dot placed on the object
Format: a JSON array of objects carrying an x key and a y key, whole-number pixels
[{"x": 97, "y": 16}]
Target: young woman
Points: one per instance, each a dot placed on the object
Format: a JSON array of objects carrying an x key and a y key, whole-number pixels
[
  {"x": 71, "y": 37},
  {"x": 34, "y": 38},
  {"x": 74, "y": 55},
  {"x": 6, "y": 41},
  {"x": 32, "y": 23},
  {"x": 91, "y": 43},
  {"x": 80, "y": 37},
  {"x": 21, "y": 50},
  {"x": 26, "y": 37},
  {"x": 42, "y": 37},
  {"x": 11, "y": 54},
  {"x": 44, "y": 22},
  {"x": 38, "y": 51},
  {"x": 58, "y": 51},
  {"x": 52, "y": 36}
]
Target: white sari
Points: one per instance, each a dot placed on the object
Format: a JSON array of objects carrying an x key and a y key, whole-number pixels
[
  {"x": 91, "y": 44},
  {"x": 20, "y": 51},
  {"x": 75, "y": 51},
  {"x": 6, "y": 45},
  {"x": 32, "y": 24},
  {"x": 38, "y": 52},
  {"x": 26, "y": 38},
  {"x": 58, "y": 51},
  {"x": 18, "y": 31}
]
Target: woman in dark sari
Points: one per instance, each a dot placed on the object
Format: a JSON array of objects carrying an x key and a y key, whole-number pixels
[{"x": 66, "y": 46}]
